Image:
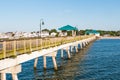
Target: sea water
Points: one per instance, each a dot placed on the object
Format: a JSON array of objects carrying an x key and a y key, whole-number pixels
[{"x": 100, "y": 60}]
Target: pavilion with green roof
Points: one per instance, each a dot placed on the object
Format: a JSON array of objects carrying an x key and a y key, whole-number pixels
[
  {"x": 69, "y": 28},
  {"x": 92, "y": 32}
]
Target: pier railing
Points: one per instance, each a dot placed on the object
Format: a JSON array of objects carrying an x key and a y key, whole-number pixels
[{"x": 12, "y": 48}]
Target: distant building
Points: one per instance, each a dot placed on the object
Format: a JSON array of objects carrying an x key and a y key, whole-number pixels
[
  {"x": 5, "y": 35},
  {"x": 9, "y": 34},
  {"x": 45, "y": 34},
  {"x": 106, "y": 35},
  {"x": 18, "y": 35},
  {"x": 53, "y": 34},
  {"x": 62, "y": 33},
  {"x": 92, "y": 32}
]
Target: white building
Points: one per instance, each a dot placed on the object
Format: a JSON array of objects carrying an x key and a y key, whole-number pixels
[
  {"x": 44, "y": 34},
  {"x": 53, "y": 34},
  {"x": 62, "y": 33},
  {"x": 3, "y": 35}
]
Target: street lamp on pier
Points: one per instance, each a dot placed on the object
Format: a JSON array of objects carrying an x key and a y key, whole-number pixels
[{"x": 41, "y": 23}]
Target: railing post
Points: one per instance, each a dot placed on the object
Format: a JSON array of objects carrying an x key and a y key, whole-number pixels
[
  {"x": 14, "y": 42},
  {"x": 55, "y": 42},
  {"x": 49, "y": 43},
  {"x": 36, "y": 44},
  {"x": 24, "y": 45},
  {"x": 30, "y": 45},
  {"x": 45, "y": 43},
  {"x": 41, "y": 43},
  {"x": 4, "y": 49}
]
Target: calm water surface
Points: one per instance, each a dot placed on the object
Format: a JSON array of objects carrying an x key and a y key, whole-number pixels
[{"x": 99, "y": 61}]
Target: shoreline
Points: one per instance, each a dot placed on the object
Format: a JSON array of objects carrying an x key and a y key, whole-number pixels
[{"x": 111, "y": 37}]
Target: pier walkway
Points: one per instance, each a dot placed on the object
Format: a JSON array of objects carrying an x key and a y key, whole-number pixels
[{"x": 15, "y": 52}]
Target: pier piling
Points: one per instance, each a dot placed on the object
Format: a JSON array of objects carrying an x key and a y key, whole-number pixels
[
  {"x": 54, "y": 62},
  {"x": 62, "y": 53},
  {"x": 14, "y": 76},
  {"x": 76, "y": 48},
  {"x": 35, "y": 63},
  {"x": 69, "y": 55},
  {"x": 44, "y": 61},
  {"x": 3, "y": 76}
]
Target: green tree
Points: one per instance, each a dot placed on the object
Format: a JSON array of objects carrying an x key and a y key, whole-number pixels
[
  {"x": 53, "y": 30},
  {"x": 82, "y": 32},
  {"x": 118, "y": 33},
  {"x": 46, "y": 30}
]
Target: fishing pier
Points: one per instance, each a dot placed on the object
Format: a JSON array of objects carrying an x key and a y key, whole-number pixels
[{"x": 15, "y": 52}]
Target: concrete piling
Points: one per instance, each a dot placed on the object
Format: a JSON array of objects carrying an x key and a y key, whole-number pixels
[
  {"x": 13, "y": 70},
  {"x": 3, "y": 76},
  {"x": 14, "y": 76},
  {"x": 35, "y": 62},
  {"x": 71, "y": 49},
  {"x": 62, "y": 53},
  {"x": 44, "y": 61},
  {"x": 54, "y": 62},
  {"x": 68, "y": 53},
  {"x": 76, "y": 48}
]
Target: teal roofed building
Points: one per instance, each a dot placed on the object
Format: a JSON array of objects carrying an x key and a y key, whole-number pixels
[
  {"x": 92, "y": 32},
  {"x": 66, "y": 28}
]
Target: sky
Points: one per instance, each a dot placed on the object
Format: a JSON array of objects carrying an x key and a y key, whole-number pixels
[{"x": 25, "y": 15}]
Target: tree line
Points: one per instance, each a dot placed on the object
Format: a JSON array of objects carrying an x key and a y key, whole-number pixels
[
  {"x": 82, "y": 32},
  {"x": 103, "y": 32}
]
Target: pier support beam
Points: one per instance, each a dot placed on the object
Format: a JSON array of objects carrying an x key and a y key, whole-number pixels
[
  {"x": 53, "y": 55},
  {"x": 35, "y": 63},
  {"x": 71, "y": 49},
  {"x": 14, "y": 76},
  {"x": 61, "y": 53},
  {"x": 44, "y": 61},
  {"x": 3, "y": 76},
  {"x": 68, "y": 52},
  {"x": 81, "y": 45},
  {"x": 54, "y": 62},
  {"x": 13, "y": 70},
  {"x": 85, "y": 44},
  {"x": 76, "y": 48}
]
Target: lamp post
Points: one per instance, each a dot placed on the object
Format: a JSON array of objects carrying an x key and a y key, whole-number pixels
[{"x": 41, "y": 23}]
